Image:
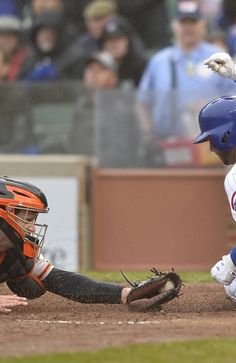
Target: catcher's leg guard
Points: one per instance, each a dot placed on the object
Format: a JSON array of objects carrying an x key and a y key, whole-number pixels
[{"x": 29, "y": 286}]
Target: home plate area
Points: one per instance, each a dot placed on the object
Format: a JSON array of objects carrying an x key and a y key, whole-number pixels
[{"x": 54, "y": 324}]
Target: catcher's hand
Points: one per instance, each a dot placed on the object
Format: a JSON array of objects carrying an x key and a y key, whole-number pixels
[
  {"x": 222, "y": 64},
  {"x": 154, "y": 292}
]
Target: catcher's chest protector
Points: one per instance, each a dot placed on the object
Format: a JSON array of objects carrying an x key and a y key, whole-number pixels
[{"x": 13, "y": 265}]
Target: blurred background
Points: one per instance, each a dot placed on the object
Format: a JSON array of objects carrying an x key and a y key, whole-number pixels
[
  {"x": 121, "y": 81},
  {"x": 117, "y": 86}
]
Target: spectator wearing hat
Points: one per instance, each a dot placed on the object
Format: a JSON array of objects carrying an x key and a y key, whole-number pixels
[
  {"x": 148, "y": 17},
  {"x": 48, "y": 48},
  {"x": 99, "y": 74},
  {"x": 10, "y": 38},
  {"x": 176, "y": 83},
  {"x": 96, "y": 14},
  {"x": 35, "y": 8},
  {"x": 100, "y": 71},
  {"x": 121, "y": 41}
]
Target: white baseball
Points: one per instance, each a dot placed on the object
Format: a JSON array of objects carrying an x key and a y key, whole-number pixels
[{"x": 169, "y": 285}]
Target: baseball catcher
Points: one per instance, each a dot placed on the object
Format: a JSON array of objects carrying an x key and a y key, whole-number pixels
[{"x": 29, "y": 275}]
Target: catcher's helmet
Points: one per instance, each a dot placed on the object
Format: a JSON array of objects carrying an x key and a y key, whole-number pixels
[
  {"x": 17, "y": 196},
  {"x": 217, "y": 121}
]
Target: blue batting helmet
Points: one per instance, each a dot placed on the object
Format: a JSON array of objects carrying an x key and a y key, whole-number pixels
[{"x": 217, "y": 121}]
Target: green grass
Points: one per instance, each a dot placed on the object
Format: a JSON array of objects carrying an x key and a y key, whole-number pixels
[
  {"x": 198, "y": 351},
  {"x": 139, "y": 276}
]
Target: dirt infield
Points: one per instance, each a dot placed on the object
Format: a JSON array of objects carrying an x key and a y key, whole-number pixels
[{"x": 54, "y": 324}]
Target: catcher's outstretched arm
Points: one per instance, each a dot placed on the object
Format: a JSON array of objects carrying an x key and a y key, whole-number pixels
[{"x": 81, "y": 288}]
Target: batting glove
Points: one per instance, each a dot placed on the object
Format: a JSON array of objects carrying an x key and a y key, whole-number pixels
[
  {"x": 224, "y": 271},
  {"x": 222, "y": 64}
]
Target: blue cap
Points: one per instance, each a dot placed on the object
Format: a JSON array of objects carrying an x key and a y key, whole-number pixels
[
  {"x": 9, "y": 16},
  {"x": 217, "y": 122},
  {"x": 188, "y": 10}
]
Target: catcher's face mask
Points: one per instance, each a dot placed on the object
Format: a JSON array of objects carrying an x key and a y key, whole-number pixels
[
  {"x": 26, "y": 218},
  {"x": 20, "y": 204}
]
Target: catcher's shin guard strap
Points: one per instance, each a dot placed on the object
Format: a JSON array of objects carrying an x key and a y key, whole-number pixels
[
  {"x": 82, "y": 288},
  {"x": 29, "y": 286}
]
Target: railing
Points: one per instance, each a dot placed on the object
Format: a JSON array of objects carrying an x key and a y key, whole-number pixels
[{"x": 65, "y": 118}]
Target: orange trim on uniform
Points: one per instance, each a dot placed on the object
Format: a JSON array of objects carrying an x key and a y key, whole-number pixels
[
  {"x": 2, "y": 255},
  {"x": 36, "y": 279},
  {"x": 29, "y": 250},
  {"x": 44, "y": 270}
]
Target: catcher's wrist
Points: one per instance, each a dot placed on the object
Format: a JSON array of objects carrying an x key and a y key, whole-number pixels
[{"x": 124, "y": 294}]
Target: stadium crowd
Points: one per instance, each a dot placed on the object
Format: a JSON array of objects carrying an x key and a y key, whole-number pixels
[
  {"x": 54, "y": 39},
  {"x": 156, "y": 47}
]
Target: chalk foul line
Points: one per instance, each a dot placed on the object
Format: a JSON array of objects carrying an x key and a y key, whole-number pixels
[{"x": 77, "y": 322}]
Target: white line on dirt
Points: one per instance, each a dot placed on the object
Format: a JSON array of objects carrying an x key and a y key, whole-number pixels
[{"x": 76, "y": 322}]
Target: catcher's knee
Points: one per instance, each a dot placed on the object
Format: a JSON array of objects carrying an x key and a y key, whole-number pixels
[{"x": 29, "y": 286}]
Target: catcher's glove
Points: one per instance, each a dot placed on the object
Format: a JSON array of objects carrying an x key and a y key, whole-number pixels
[{"x": 154, "y": 292}]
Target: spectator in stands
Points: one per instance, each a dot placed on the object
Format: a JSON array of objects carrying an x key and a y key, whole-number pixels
[
  {"x": 100, "y": 73},
  {"x": 41, "y": 6},
  {"x": 120, "y": 40},
  {"x": 148, "y": 17},
  {"x": 48, "y": 46},
  {"x": 96, "y": 14},
  {"x": 105, "y": 122},
  {"x": 176, "y": 83},
  {"x": 10, "y": 37},
  {"x": 36, "y": 8}
]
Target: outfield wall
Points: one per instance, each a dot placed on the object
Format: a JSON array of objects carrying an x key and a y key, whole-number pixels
[
  {"x": 163, "y": 218},
  {"x": 140, "y": 217}
]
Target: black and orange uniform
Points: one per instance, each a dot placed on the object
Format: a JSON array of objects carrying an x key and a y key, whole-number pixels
[{"x": 23, "y": 267}]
